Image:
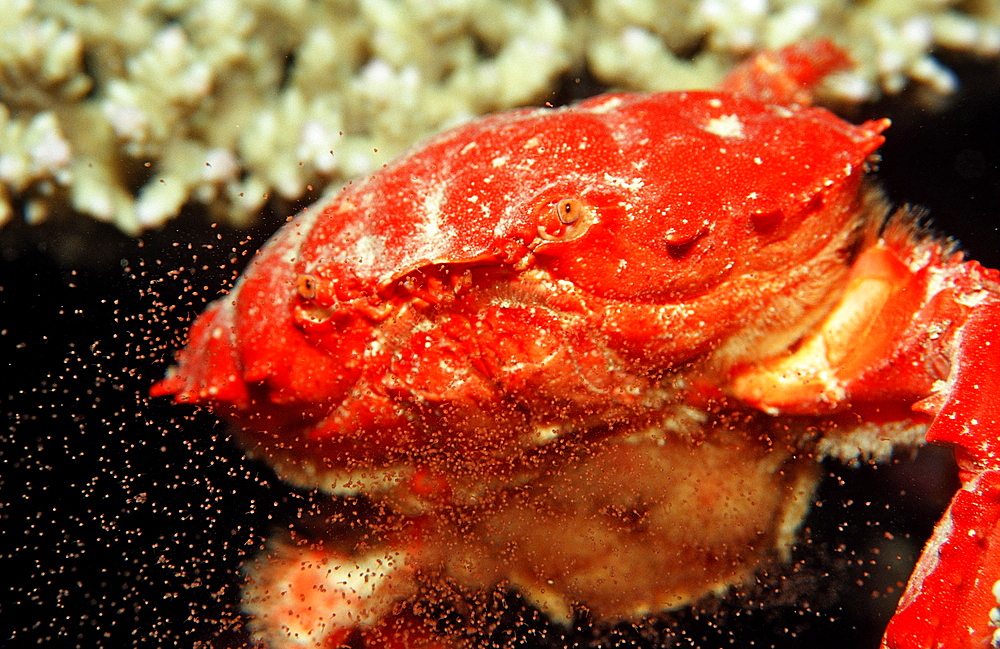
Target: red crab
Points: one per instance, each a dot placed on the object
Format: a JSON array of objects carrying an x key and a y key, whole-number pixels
[{"x": 593, "y": 354}]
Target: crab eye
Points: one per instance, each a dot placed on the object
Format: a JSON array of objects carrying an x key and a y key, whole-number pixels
[
  {"x": 568, "y": 223},
  {"x": 568, "y": 210},
  {"x": 306, "y": 286}
]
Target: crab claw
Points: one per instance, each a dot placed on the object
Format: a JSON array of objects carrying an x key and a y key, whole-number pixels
[
  {"x": 920, "y": 328},
  {"x": 212, "y": 367},
  {"x": 789, "y": 75},
  {"x": 950, "y": 599},
  {"x": 317, "y": 597},
  {"x": 246, "y": 345}
]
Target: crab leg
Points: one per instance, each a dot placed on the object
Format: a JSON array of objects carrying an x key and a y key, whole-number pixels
[
  {"x": 331, "y": 593},
  {"x": 311, "y": 597},
  {"x": 916, "y": 326},
  {"x": 952, "y": 592}
]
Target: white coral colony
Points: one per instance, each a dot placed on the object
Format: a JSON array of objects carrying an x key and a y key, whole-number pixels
[{"x": 278, "y": 98}]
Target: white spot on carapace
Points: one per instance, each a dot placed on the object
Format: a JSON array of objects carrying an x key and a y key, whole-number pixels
[
  {"x": 374, "y": 347},
  {"x": 606, "y": 106},
  {"x": 545, "y": 434},
  {"x": 715, "y": 102},
  {"x": 366, "y": 250},
  {"x": 632, "y": 184},
  {"x": 468, "y": 147},
  {"x": 757, "y": 160},
  {"x": 727, "y": 126},
  {"x": 499, "y": 161},
  {"x": 429, "y": 230},
  {"x": 532, "y": 143}
]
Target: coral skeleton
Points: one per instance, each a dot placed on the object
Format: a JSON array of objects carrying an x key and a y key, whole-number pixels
[{"x": 128, "y": 112}]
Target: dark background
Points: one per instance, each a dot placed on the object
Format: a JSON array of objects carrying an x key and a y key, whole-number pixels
[{"x": 123, "y": 521}]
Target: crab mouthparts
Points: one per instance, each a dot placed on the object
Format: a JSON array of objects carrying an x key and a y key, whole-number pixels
[{"x": 813, "y": 374}]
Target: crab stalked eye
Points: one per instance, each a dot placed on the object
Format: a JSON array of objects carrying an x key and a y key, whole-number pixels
[
  {"x": 306, "y": 286},
  {"x": 563, "y": 221},
  {"x": 568, "y": 210}
]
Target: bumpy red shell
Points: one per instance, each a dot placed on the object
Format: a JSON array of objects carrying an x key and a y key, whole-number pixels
[{"x": 663, "y": 198}]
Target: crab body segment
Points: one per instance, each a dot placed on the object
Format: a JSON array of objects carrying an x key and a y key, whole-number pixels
[{"x": 593, "y": 354}]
